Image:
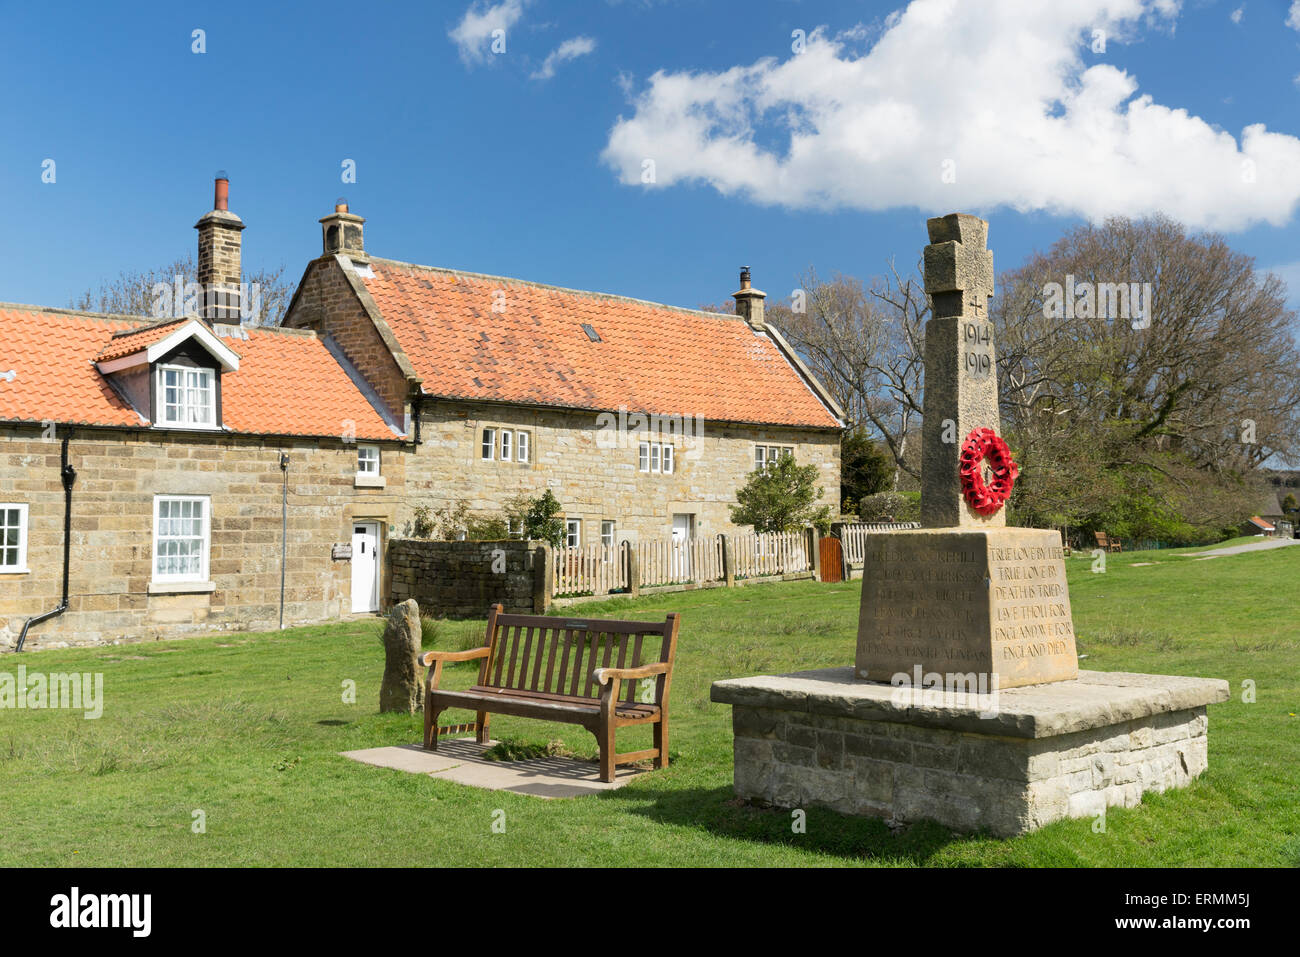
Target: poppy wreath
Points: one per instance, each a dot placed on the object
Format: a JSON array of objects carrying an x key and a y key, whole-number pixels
[{"x": 980, "y": 445}]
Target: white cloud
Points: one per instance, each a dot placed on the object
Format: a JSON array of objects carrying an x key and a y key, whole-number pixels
[
  {"x": 1236, "y": 15},
  {"x": 1023, "y": 110},
  {"x": 474, "y": 34},
  {"x": 1293, "y": 15},
  {"x": 568, "y": 50}
]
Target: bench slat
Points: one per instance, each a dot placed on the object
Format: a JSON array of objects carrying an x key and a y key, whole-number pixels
[
  {"x": 514, "y": 656},
  {"x": 524, "y": 665},
  {"x": 580, "y": 624},
  {"x": 550, "y": 659}
]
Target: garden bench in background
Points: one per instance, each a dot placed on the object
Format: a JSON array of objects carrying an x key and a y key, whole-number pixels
[
  {"x": 584, "y": 671},
  {"x": 1108, "y": 544}
]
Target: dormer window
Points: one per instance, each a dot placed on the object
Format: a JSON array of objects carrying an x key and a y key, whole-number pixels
[
  {"x": 170, "y": 372},
  {"x": 186, "y": 397}
]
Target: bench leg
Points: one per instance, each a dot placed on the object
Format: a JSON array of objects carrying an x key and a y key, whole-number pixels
[
  {"x": 661, "y": 742},
  {"x": 483, "y": 720},
  {"x": 431, "y": 727},
  {"x": 605, "y": 737}
]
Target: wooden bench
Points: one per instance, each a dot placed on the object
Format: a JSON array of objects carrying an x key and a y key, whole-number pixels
[
  {"x": 584, "y": 671},
  {"x": 1108, "y": 544}
]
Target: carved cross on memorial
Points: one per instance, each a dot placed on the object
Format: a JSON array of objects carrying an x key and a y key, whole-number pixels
[
  {"x": 966, "y": 597},
  {"x": 961, "y": 383}
]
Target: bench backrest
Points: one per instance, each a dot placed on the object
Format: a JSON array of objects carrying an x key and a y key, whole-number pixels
[
  {"x": 556, "y": 655},
  {"x": 1101, "y": 538}
]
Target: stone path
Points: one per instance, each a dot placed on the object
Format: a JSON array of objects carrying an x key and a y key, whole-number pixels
[
  {"x": 1251, "y": 547},
  {"x": 460, "y": 760}
]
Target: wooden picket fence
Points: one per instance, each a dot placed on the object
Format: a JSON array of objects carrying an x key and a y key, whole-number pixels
[
  {"x": 604, "y": 569},
  {"x": 770, "y": 553},
  {"x": 668, "y": 562},
  {"x": 854, "y": 537},
  {"x": 588, "y": 570}
]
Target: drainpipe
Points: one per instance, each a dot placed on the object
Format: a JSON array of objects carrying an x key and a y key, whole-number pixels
[
  {"x": 69, "y": 476},
  {"x": 284, "y": 529}
]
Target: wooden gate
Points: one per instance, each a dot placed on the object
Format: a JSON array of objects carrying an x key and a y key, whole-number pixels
[{"x": 832, "y": 560}]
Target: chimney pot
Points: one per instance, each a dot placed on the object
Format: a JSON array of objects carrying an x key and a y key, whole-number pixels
[
  {"x": 749, "y": 301},
  {"x": 220, "y": 270},
  {"x": 341, "y": 232}
]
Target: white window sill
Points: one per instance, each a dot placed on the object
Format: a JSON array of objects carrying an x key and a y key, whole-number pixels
[
  {"x": 180, "y": 588},
  {"x": 364, "y": 480},
  {"x": 15, "y": 571}
]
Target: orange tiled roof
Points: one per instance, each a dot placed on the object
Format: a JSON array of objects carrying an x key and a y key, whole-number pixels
[
  {"x": 130, "y": 340},
  {"x": 652, "y": 358},
  {"x": 287, "y": 383}
]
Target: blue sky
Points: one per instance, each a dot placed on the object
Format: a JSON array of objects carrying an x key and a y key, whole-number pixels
[{"x": 493, "y": 162}]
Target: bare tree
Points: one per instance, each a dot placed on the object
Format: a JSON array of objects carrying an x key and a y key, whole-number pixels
[
  {"x": 865, "y": 344},
  {"x": 132, "y": 292},
  {"x": 1182, "y": 403}
]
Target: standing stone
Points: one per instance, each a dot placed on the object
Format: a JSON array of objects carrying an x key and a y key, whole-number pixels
[
  {"x": 964, "y": 597},
  {"x": 401, "y": 690}
]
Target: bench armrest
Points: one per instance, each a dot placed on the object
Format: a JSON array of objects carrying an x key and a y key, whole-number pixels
[
  {"x": 429, "y": 657},
  {"x": 602, "y": 675}
]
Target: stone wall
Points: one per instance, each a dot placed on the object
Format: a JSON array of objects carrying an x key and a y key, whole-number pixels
[
  {"x": 463, "y": 579},
  {"x": 594, "y": 482},
  {"x": 327, "y": 302},
  {"x": 118, "y": 474},
  {"x": 967, "y": 781}
]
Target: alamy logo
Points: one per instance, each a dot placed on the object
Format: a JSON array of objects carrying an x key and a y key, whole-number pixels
[
  {"x": 930, "y": 689},
  {"x": 69, "y": 692},
  {"x": 625, "y": 430},
  {"x": 1098, "y": 300},
  {"x": 133, "y": 911},
  {"x": 178, "y": 299}
]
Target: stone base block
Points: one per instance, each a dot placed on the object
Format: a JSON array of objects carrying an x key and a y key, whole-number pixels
[
  {"x": 1005, "y": 764},
  {"x": 992, "y": 603}
]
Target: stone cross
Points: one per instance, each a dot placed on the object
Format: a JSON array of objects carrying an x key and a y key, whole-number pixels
[{"x": 961, "y": 383}]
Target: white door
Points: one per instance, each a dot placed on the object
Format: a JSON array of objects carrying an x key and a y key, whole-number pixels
[
  {"x": 365, "y": 566},
  {"x": 681, "y": 570}
]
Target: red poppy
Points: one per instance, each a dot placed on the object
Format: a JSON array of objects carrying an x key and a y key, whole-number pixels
[{"x": 987, "y": 497}]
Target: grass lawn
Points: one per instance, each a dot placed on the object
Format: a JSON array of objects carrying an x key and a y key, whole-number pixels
[{"x": 247, "y": 729}]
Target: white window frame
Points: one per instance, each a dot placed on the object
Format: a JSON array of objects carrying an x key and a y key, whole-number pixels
[
  {"x": 507, "y": 444},
  {"x": 573, "y": 532},
  {"x": 523, "y": 446},
  {"x": 488, "y": 445},
  {"x": 163, "y": 418},
  {"x": 608, "y": 529},
  {"x": 204, "y": 555},
  {"x": 21, "y": 567},
  {"x": 765, "y": 455},
  {"x": 655, "y": 458},
  {"x": 368, "y": 465}
]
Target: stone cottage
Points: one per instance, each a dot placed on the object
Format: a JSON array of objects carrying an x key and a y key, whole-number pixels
[
  {"x": 643, "y": 419},
  {"x": 224, "y": 476}
]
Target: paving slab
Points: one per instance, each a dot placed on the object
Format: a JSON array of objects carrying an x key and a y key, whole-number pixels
[
  {"x": 461, "y": 760},
  {"x": 1094, "y": 699}
]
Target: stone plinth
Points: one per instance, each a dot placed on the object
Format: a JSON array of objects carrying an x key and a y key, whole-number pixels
[
  {"x": 1004, "y": 763},
  {"x": 992, "y": 603}
]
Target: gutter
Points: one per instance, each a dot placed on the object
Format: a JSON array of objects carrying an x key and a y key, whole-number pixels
[{"x": 69, "y": 477}]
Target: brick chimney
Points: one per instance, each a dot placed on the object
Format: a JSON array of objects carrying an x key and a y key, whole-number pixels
[
  {"x": 749, "y": 301},
  {"x": 219, "y": 257},
  {"x": 341, "y": 232}
]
